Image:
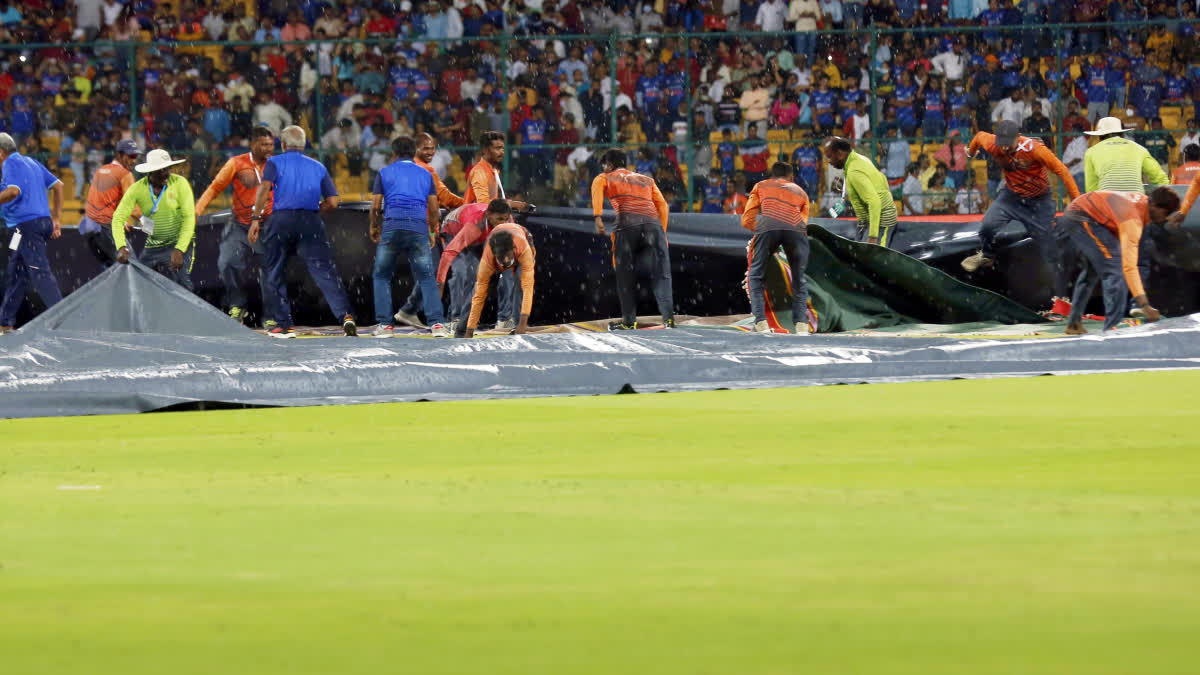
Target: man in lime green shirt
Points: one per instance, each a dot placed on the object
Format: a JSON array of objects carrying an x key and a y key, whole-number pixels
[
  {"x": 169, "y": 217},
  {"x": 867, "y": 189},
  {"x": 1118, "y": 164}
]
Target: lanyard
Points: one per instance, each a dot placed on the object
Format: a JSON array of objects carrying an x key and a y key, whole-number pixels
[
  {"x": 156, "y": 199},
  {"x": 498, "y": 185}
]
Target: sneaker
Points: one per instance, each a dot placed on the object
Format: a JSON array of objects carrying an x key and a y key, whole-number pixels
[
  {"x": 408, "y": 319},
  {"x": 620, "y": 325},
  {"x": 237, "y": 314},
  {"x": 1137, "y": 313},
  {"x": 452, "y": 326},
  {"x": 763, "y": 327},
  {"x": 280, "y": 332},
  {"x": 977, "y": 261},
  {"x": 441, "y": 330},
  {"x": 383, "y": 330},
  {"x": 668, "y": 323},
  {"x": 270, "y": 324},
  {"x": 348, "y": 325},
  {"x": 507, "y": 324},
  {"x": 803, "y": 329}
]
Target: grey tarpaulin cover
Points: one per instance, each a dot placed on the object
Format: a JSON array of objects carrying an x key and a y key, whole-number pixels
[{"x": 115, "y": 347}]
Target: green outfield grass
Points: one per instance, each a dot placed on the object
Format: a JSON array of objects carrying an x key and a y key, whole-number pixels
[{"x": 1047, "y": 525}]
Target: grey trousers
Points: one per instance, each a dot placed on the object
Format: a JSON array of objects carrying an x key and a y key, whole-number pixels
[
  {"x": 236, "y": 259},
  {"x": 159, "y": 260}
]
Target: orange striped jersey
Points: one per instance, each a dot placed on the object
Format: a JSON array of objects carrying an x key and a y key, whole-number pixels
[
  {"x": 446, "y": 198},
  {"x": 109, "y": 184},
  {"x": 1125, "y": 214},
  {"x": 1193, "y": 192},
  {"x": 1025, "y": 168},
  {"x": 488, "y": 266},
  {"x": 776, "y": 204},
  {"x": 1185, "y": 173},
  {"x": 483, "y": 183},
  {"x": 635, "y": 198},
  {"x": 244, "y": 175}
]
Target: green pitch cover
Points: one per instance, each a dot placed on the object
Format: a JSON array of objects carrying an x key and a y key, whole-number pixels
[{"x": 854, "y": 286}]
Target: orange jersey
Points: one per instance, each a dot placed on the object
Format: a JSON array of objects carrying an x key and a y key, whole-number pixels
[
  {"x": 244, "y": 175},
  {"x": 635, "y": 198},
  {"x": 1193, "y": 192},
  {"x": 1185, "y": 174},
  {"x": 1125, "y": 214},
  {"x": 446, "y": 198},
  {"x": 1025, "y": 169},
  {"x": 488, "y": 268},
  {"x": 109, "y": 184},
  {"x": 776, "y": 204},
  {"x": 735, "y": 204},
  {"x": 483, "y": 183}
]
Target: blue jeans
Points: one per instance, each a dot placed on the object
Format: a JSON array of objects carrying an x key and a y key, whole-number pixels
[
  {"x": 29, "y": 264},
  {"x": 416, "y": 246},
  {"x": 1100, "y": 265},
  {"x": 296, "y": 232},
  {"x": 416, "y": 299},
  {"x": 234, "y": 264},
  {"x": 463, "y": 272},
  {"x": 806, "y": 43}
]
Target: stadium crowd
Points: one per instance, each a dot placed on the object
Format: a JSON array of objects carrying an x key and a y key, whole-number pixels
[{"x": 734, "y": 102}]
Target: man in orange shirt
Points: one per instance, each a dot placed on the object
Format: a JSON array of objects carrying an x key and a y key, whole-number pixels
[
  {"x": 109, "y": 184},
  {"x": 468, "y": 226},
  {"x": 426, "y": 148},
  {"x": 507, "y": 248},
  {"x": 735, "y": 201},
  {"x": 777, "y": 214},
  {"x": 1025, "y": 198},
  {"x": 639, "y": 235},
  {"x": 1106, "y": 228},
  {"x": 244, "y": 173},
  {"x": 1190, "y": 168},
  {"x": 483, "y": 182}
]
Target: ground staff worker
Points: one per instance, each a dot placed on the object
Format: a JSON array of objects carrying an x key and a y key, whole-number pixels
[
  {"x": 426, "y": 148},
  {"x": 404, "y": 219},
  {"x": 1105, "y": 228},
  {"x": 639, "y": 235},
  {"x": 777, "y": 214},
  {"x": 108, "y": 186},
  {"x": 1189, "y": 199},
  {"x": 469, "y": 226},
  {"x": 1025, "y": 198},
  {"x": 244, "y": 173},
  {"x": 31, "y": 199},
  {"x": 867, "y": 189},
  {"x": 1117, "y": 163},
  {"x": 483, "y": 185},
  {"x": 302, "y": 189},
  {"x": 507, "y": 248},
  {"x": 168, "y": 217}
]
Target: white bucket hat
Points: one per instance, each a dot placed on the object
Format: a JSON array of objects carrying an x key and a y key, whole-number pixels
[
  {"x": 1108, "y": 125},
  {"x": 157, "y": 160}
]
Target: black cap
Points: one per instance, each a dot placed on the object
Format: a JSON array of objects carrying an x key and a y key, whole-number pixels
[{"x": 1006, "y": 133}]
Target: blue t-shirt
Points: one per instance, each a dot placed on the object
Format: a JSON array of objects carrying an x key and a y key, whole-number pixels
[
  {"x": 533, "y": 132},
  {"x": 850, "y": 98},
  {"x": 823, "y": 103},
  {"x": 935, "y": 107},
  {"x": 807, "y": 160},
  {"x": 1097, "y": 85},
  {"x": 726, "y": 152},
  {"x": 960, "y": 104},
  {"x": 1149, "y": 97},
  {"x": 1177, "y": 88},
  {"x": 672, "y": 85},
  {"x": 33, "y": 180},
  {"x": 649, "y": 91},
  {"x": 406, "y": 189},
  {"x": 420, "y": 84},
  {"x": 300, "y": 182}
]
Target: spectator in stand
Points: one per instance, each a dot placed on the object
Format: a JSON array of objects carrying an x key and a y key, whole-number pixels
[
  {"x": 823, "y": 101},
  {"x": 1073, "y": 158},
  {"x": 903, "y": 100},
  {"x": 804, "y": 15},
  {"x": 755, "y": 153},
  {"x": 954, "y": 156},
  {"x": 735, "y": 197},
  {"x": 1038, "y": 125},
  {"x": 898, "y": 154},
  {"x": 1158, "y": 142},
  {"x": 807, "y": 161},
  {"x": 785, "y": 111},
  {"x": 1190, "y": 167},
  {"x": 913, "y": 192},
  {"x": 729, "y": 112},
  {"x": 858, "y": 126},
  {"x": 1073, "y": 121},
  {"x": 933, "y": 95},
  {"x": 755, "y": 104}
]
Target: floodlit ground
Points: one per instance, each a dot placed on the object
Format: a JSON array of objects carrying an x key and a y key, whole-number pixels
[{"x": 1046, "y": 525}]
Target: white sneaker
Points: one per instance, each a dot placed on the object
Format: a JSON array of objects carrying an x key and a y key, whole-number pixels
[
  {"x": 1137, "y": 313},
  {"x": 408, "y": 319},
  {"x": 384, "y": 331},
  {"x": 507, "y": 324},
  {"x": 441, "y": 330},
  {"x": 763, "y": 327},
  {"x": 975, "y": 262}
]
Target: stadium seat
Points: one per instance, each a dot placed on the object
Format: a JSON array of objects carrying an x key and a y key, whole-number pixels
[{"x": 779, "y": 135}]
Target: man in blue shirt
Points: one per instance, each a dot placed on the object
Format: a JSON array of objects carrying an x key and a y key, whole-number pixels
[
  {"x": 807, "y": 161},
  {"x": 1098, "y": 87},
  {"x": 302, "y": 189},
  {"x": 24, "y": 203},
  {"x": 649, "y": 89},
  {"x": 404, "y": 219}
]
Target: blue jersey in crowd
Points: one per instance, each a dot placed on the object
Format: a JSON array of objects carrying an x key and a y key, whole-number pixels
[
  {"x": 960, "y": 104},
  {"x": 420, "y": 84},
  {"x": 850, "y": 98},
  {"x": 714, "y": 196},
  {"x": 1149, "y": 97},
  {"x": 807, "y": 162},
  {"x": 300, "y": 182},
  {"x": 533, "y": 132},
  {"x": 1177, "y": 88},
  {"x": 406, "y": 188},
  {"x": 33, "y": 180},
  {"x": 935, "y": 107},
  {"x": 673, "y": 88},
  {"x": 649, "y": 91},
  {"x": 823, "y": 104},
  {"x": 726, "y": 152},
  {"x": 1097, "y": 85}
]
